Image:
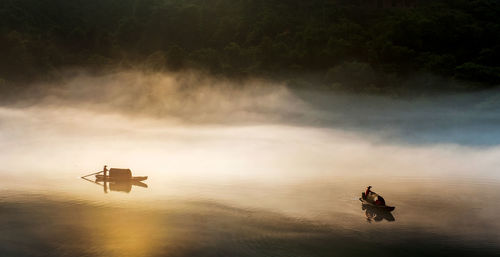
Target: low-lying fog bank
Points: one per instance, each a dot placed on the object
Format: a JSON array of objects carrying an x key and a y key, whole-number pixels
[
  {"x": 155, "y": 120},
  {"x": 192, "y": 98}
]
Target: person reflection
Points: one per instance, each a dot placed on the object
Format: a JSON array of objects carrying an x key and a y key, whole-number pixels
[
  {"x": 105, "y": 178},
  {"x": 105, "y": 186}
]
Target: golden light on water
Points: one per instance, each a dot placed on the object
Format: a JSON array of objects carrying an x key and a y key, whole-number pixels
[{"x": 121, "y": 234}]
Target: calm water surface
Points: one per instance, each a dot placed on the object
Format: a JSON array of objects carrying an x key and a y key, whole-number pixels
[{"x": 266, "y": 189}]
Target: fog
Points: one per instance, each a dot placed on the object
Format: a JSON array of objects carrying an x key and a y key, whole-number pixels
[
  {"x": 200, "y": 124},
  {"x": 186, "y": 97},
  {"x": 194, "y": 97}
]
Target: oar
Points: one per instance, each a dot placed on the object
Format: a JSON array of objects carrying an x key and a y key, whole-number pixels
[
  {"x": 92, "y": 181},
  {"x": 93, "y": 174}
]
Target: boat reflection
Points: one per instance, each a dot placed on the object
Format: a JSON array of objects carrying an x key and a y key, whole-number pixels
[
  {"x": 376, "y": 214},
  {"x": 117, "y": 185}
]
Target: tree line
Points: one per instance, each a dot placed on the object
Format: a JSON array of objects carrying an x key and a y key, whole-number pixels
[{"x": 338, "y": 42}]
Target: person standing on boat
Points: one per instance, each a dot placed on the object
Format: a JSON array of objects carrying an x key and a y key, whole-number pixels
[
  {"x": 368, "y": 191},
  {"x": 105, "y": 170}
]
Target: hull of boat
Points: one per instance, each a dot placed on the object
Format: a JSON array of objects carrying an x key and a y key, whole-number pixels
[
  {"x": 380, "y": 207},
  {"x": 111, "y": 179}
]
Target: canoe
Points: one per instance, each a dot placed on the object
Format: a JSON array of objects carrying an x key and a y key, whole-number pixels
[
  {"x": 110, "y": 178},
  {"x": 380, "y": 207}
]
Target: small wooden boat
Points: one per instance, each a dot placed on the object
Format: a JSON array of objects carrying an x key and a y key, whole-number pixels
[
  {"x": 375, "y": 201},
  {"x": 119, "y": 180},
  {"x": 380, "y": 207},
  {"x": 110, "y": 178}
]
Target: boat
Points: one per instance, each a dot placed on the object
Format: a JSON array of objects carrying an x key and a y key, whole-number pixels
[
  {"x": 375, "y": 207},
  {"x": 120, "y": 180},
  {"x": 374, "y": 200},
  {"x": 111, "y": 179},
  {"x": 380, "y": 207}
]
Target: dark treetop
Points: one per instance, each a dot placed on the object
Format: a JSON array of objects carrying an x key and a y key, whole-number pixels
[{"x": 367, "y": 43}]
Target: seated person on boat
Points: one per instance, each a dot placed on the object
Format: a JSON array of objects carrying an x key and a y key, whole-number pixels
[{"x": 373, "y": 197}]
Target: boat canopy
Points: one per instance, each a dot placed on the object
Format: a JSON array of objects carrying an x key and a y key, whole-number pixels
[{"x": 120, "y": 173}]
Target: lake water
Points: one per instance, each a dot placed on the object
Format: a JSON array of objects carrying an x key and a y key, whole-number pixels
[{"x": 254, "y": 185}]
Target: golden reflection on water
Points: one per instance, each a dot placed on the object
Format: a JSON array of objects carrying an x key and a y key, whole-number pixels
[
  {"x": 116, "y": 234},
  {"x": 177, "y": 226}
]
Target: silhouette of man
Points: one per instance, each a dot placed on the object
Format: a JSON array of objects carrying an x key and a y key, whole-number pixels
[
  {"x": 368, "y": 191},
  {"x": 105, "y": 170}
]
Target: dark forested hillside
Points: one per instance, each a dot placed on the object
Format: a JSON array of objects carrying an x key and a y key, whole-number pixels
[{"x": 335, "y": 39}]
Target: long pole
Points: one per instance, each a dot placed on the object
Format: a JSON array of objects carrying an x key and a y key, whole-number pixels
[
  {"x": 92, "y": 181},
  {"x": 92, "y": 174}
]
